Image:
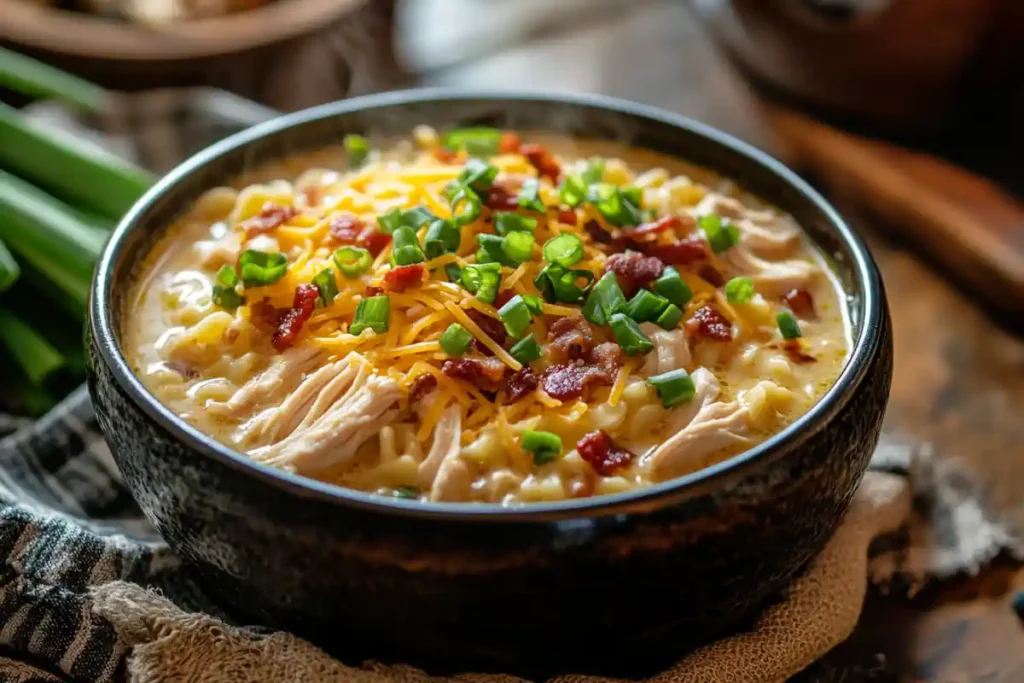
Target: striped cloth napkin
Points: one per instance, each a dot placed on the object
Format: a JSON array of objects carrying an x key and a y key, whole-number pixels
[{"x": 89, "y": 592}]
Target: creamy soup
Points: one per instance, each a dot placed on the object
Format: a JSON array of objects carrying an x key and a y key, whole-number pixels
[{"x": 486, "y": 316}]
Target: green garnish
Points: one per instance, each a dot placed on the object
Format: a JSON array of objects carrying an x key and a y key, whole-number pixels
[
  {"x": 406, "y": 248},
  {"x": 353, "y": 261},
  {"x": 492, "y": 249},
  {"x": 739, "y": 290},
  {"x": 224, "y": 292},
  {"x": 670, "y": 317},
  {"x": 557, "y": 284},
  {"x": 407, "y": 492},
  {"x": 515, "y": 316},
  {"x": 573, "y": 191},
  {"x": 466, "y": 205},
  {"x": 534, "y": 303},
  {"x": 456, "y": 340},
  {"x": 672, "y": 287},
  {"x": 628, "y": 334},
  {"x": 566, "y": 250},
  {"x": 519, "y": 246},
  {"x": 477, "y": 141},
  {"x": 326, "y": 287},
  {"x": 608, "y": 300},
  {"x": 478, "y": 174},
  {"x": 674, "y": 387},
  {"x": 483, "y": 280},
  {"x": 529, "y": 196},
  {"x": 260, "y": 268},
  {"x": 545, "y": 446},
  {"x": 646, "y": 306},
  {"x": 615, "y": 206},
  {"x": 721, "y": 233},
  {"x": 372, "y": 313},
  {"x": 526, "y": 350},
  {"x": 413, "y": 218},
  {"x": 357, "y": 148},
  {"x": 442, "y": 238},
  {"x": 594, "y": 172},
  {"x": 505, "y": 223},
  {"x": 788, "y": 325},
  {"x": 454, "y": 272}
]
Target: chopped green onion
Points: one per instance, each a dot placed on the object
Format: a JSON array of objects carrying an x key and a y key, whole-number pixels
[
  {"x": 672, "y": 287},
  {"x": 224, "y": 293},
  {"x": 407, "y": 493},
  {"x": 260, "y": 268},
  {"x": 788, "y": 325},
  {"x": 594, "y": 172},
  {"x": 633, "y": 195},
  {"x": 739, "y": 290},
  {"x": 456, "y": 340},
  {"x": 492, "y": 249},
  {"x": 9, "y": 270},
  {"x": 466, "y": 205},
  {"x": 353, "y": 261},
  {"x": 629, "y": 335},
  {"x": 529, "y": 196},
  {"x": 442, "y": 238},
  {"x": 413, "y": 218},
  {"x": 515, "y": 316},
  {"x": 670, "y": 317},
  {"x": 357, "y": 149},
  {"x": 613, "y": 205},
  {"x": 478, "y": 174},
  {"x": 721, "y": 234},
  {"x": 505, "y": 222},
  {"x": 534, "y": 303},
  {"x": 483, "y": 280},
  {"x": 573, "y": 191},
  {"x": 545, "y": 446},
  {"x": 477, "y": 141},
  {"x": 526, "y": 350},
  {"x": 372, "y": 313},
  {"x": 406, "y": 248},
  {"x": 326, "y": 287},
  {"x": 674, "y": 387},
  {"x": 519, "y": 246},
  {"x": 454, "y": 272},
  {"x": 592, "y": 310},
  {"x": 557, "y": 284},
  {"x": 646, "y": 306},
  {"x": 608, "y": 297},
  {"x": 566, "y": 250}
]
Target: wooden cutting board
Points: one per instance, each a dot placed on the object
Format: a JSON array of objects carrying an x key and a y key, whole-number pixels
[{"x": 968, "y": 225}]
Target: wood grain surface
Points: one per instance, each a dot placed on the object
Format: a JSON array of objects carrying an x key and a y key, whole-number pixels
[{"x": 959, "y": 378}]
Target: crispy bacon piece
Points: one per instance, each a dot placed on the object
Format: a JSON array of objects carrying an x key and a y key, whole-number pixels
[
  {"x": 374, "y": 240},
  {"x": 483, "y": 373},
  {"x": 801, "y": 303},
  {"x": 598, "y": 449},
  {"x": 503, "y": 297},
  {"x": 598, "y": 233},
  {"x": 372, "y": 291},
  {"x": 709, "y": 323},
  {"x": 264, "y": 315},
  {"x": 795, "y": 352},
  {"x": 572, "y": 380},
  {"x": 711, "y": 275},
  {"x": 571, "y": 337},
  {"x": 508, "y": 143},
  {"x": 270, "y": 217},
  {"x": 542, "y": 160},
  {"x": 683, "y": 251},
  {"x": 422, "y": 386},
  {"x": 633, "y": 270},
  {"x": 290, "y": 323},
  {"x": 400, "y": 277},
  {"x": 445, "y": 155},
  {"x": 499, "y": 197},
  {"x": 608, "y": 356},
  {"x": 348, "y": 229},
  {"x": 661, "y": 225},
  {"x": 491, "y": 327},
  {"x": 519, "y": 384},
  {"x": 570, "y": 217}
]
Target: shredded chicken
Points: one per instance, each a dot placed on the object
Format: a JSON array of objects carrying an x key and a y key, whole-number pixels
[
  {"x": 671, "y": 349},
  {"x": 445, "y": 448},
  {"x": 272, "y": 385},
  {"x": 334, "y": 437},
  {"x": 771, "y": 278}
]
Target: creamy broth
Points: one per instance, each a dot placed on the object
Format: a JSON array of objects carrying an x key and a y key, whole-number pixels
[{"x": 413, "y": 407}]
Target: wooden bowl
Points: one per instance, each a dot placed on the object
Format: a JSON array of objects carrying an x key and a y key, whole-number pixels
[{"x": 288, "y": 54}]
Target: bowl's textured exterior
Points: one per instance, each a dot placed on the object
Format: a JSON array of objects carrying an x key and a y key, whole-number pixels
[{"x": 580, "y": 584}]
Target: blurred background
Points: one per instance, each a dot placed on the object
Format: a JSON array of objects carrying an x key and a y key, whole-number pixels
[{"x": 907, "y": 114}]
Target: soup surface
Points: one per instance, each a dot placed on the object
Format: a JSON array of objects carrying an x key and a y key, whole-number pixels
[{"x": 486, "y": 316}]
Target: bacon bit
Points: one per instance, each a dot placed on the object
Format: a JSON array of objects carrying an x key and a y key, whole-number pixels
[
  {"x": 485, "y": 373},
  {"x": 795, "y": 352},
  {"x": 345, "y": 229},
  {"x": 290, "y": 322},
  {"x": 608, "y": 356},
  {"x": 503, "y": 297},
  {"x": 801, "y": 303},
  {"x": 711, "y": 275},
  {"x": 374, "y": 240},
  {"x": 633, "y": 270},
  {"x": 542, "y": 160},
  {"x": 508, "y": 143},
  {"x": 709, "y": 323},
  {"x": 570, "y": 217},
  {"x": 499, "y": 198},
  {"x": 422, "y": 386},
  {"x": 680, "y": 252},
  {"x": 597, "y": 449},
  {"x": 661, "y": 225},
  {"x": 491, "y": 327},
  {"x": 400, "y": 277},
  {"x": 264, "y": 315},
  {"x": 519, "y": 384},
  {"x": 445, "y": 155},
  {"x": 372, "y": 291},
  {"x": 598, "y": 233},
  {"x": 572, "y": 339},
  {"x": 570, "y": 381},
  {"x": 270, "y": 217}
]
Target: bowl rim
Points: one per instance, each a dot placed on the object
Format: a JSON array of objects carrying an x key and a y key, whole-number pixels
[{"x": 102, "y": 327}]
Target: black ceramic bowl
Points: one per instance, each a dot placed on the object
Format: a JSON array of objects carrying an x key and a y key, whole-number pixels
[{"x": 578, "y": 584}]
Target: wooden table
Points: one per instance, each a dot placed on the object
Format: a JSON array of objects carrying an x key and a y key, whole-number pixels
[{"x": 959, "y": 379}]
